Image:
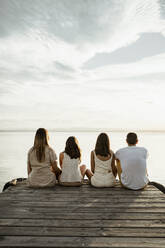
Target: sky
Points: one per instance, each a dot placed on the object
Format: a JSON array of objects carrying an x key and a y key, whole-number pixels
[{"x": 82, "y": 64}]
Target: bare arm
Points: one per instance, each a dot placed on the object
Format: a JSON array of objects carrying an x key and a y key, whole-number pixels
[
  {"x": 92, "y": 162},
  {"x": 54, "y": 166},
  {"x": 56, "y": 169},
  {"x": 119, "y": 170},
  {"x": 114, "y": 169},
  {"x": 61, "y": 157},
  {"x": 29, "y": 168},
  {"x": 147, "y": 173}
]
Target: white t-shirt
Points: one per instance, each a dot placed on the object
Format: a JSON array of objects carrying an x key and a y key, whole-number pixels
[{"x": 133, "y": 165}]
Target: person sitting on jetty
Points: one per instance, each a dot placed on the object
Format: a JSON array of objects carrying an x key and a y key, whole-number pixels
[
  {"x": 42, "y": 162},
  {"x": 131, "y": 164},
  {"x": 103, "y": 170},
  {"x": 70, "y": 159}
]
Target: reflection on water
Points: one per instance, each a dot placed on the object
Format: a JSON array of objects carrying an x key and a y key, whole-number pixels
[{"x": 15, "y": 145}]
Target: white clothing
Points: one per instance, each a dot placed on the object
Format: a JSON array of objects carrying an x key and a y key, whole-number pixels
[
  {"x": 70, "y": 169},
  {"x": 103, "y": 176},
  {"x": 133, "y": 165},
  {"x": 41, "y": 174}
]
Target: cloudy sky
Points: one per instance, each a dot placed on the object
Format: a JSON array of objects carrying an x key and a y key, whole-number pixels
[{"x": 82, "y": 64}]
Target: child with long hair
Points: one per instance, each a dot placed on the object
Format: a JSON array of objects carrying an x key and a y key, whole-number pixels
[
  {"x": 103, "y": 170},
  {"x": 70, "y": 159},
  {"x": 42, "y": 162}
]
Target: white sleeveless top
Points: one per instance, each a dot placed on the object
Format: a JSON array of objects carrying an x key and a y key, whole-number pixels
[
  {"x": 103, "y": 176},
  {"x": 70, "y": 169}
]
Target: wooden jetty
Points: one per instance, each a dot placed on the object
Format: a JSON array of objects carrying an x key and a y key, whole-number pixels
[{"x": 82, "y": 217}]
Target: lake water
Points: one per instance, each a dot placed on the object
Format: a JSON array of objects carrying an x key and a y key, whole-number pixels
[{"x": 15, "y": 145}]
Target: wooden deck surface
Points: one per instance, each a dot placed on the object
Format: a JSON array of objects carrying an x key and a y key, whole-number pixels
[{"x": 82, "y": 217}]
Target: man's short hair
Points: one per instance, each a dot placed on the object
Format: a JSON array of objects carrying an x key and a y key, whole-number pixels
[{"x": 132, "y": 138}]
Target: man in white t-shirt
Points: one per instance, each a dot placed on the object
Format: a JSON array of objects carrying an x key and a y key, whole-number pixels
[{"x": 131, "y": 164}]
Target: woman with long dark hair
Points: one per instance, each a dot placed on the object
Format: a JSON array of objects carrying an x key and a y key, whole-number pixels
[
  {"x": 42, "y": 162},
  {"x": 70, "y": 159},
  {"x": 103, "y": 170}
]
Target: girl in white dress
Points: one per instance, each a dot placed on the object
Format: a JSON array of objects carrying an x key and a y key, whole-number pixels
[
  {"x": 72, "y": 173},
  {"x": 103, "y": 170},
  {"x": 42, "y": 162}
]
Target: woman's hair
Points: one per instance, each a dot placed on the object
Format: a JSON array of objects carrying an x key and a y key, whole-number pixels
[
  {"x": 72, "y": 148},
  {"x": 40, "y": 142},
  {"x": 102, "y": 146}
]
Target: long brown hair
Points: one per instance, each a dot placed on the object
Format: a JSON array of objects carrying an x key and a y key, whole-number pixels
[
  {"x": 72, "y": 148},
  {"x": 102, "y": 146},
  {"x": 40, "y": 142}
]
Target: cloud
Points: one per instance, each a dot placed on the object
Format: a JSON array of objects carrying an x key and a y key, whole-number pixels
[
  {"x": 162, "y": 8},
  {"x": 145, "y": 46},
  {"x": 44, "y": 45},
  {"x": 63, "y": 67},
  {"x": 148, "y": 65},
  {"x": 72, "y": 32}
]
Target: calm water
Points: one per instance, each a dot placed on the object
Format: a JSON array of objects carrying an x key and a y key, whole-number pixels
[{"x": 15, "y": 145}]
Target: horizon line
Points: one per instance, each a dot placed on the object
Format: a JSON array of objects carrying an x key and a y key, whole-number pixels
[{"x": 85, "y": 130}]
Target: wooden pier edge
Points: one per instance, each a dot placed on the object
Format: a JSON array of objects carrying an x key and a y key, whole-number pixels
[{"x": 82, "y": 217}]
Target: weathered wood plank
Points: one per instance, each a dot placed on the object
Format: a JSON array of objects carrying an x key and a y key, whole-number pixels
[
  {"x": 78, "y": 210},
  {"x": 83, "y": 232},
  {"x": 25, "y": 241},
  {"x": 89, "y": 195},
  {"x": 81, "y": 189},
  {"x": 22, "y": 186},
  {"x": 83, "y": 205},
  {"x": 85, "y": 184},
  {"x": 82, "y": 223},
  {"x": 82, "y": 199},
  {"x": 31, "y": 214}
]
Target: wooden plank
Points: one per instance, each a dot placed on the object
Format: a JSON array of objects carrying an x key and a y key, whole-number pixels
[
  {"x": 22, "y": 186},
  {"x": 27, "y": 241},
  {"x": 85, "y": 184},
  {"x": 31, "y": 214},
  {"x": 78, "y": 210},
  {"x": 89, "y": 195},
  {"x": 83, "y": 205},
  {"x": 82, "y": 223},
  {"x": 116, "y": 199},
  {"x": 77, "y": 191},
  {"x": 83, "y": 232},
  {"x": 86, "y": 208},
  {"x": 80, "y": 189}
]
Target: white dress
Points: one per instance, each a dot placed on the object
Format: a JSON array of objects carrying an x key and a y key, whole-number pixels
[
  {"x": 103, "y": 176},
  {"x": 70, "y": 169}
]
